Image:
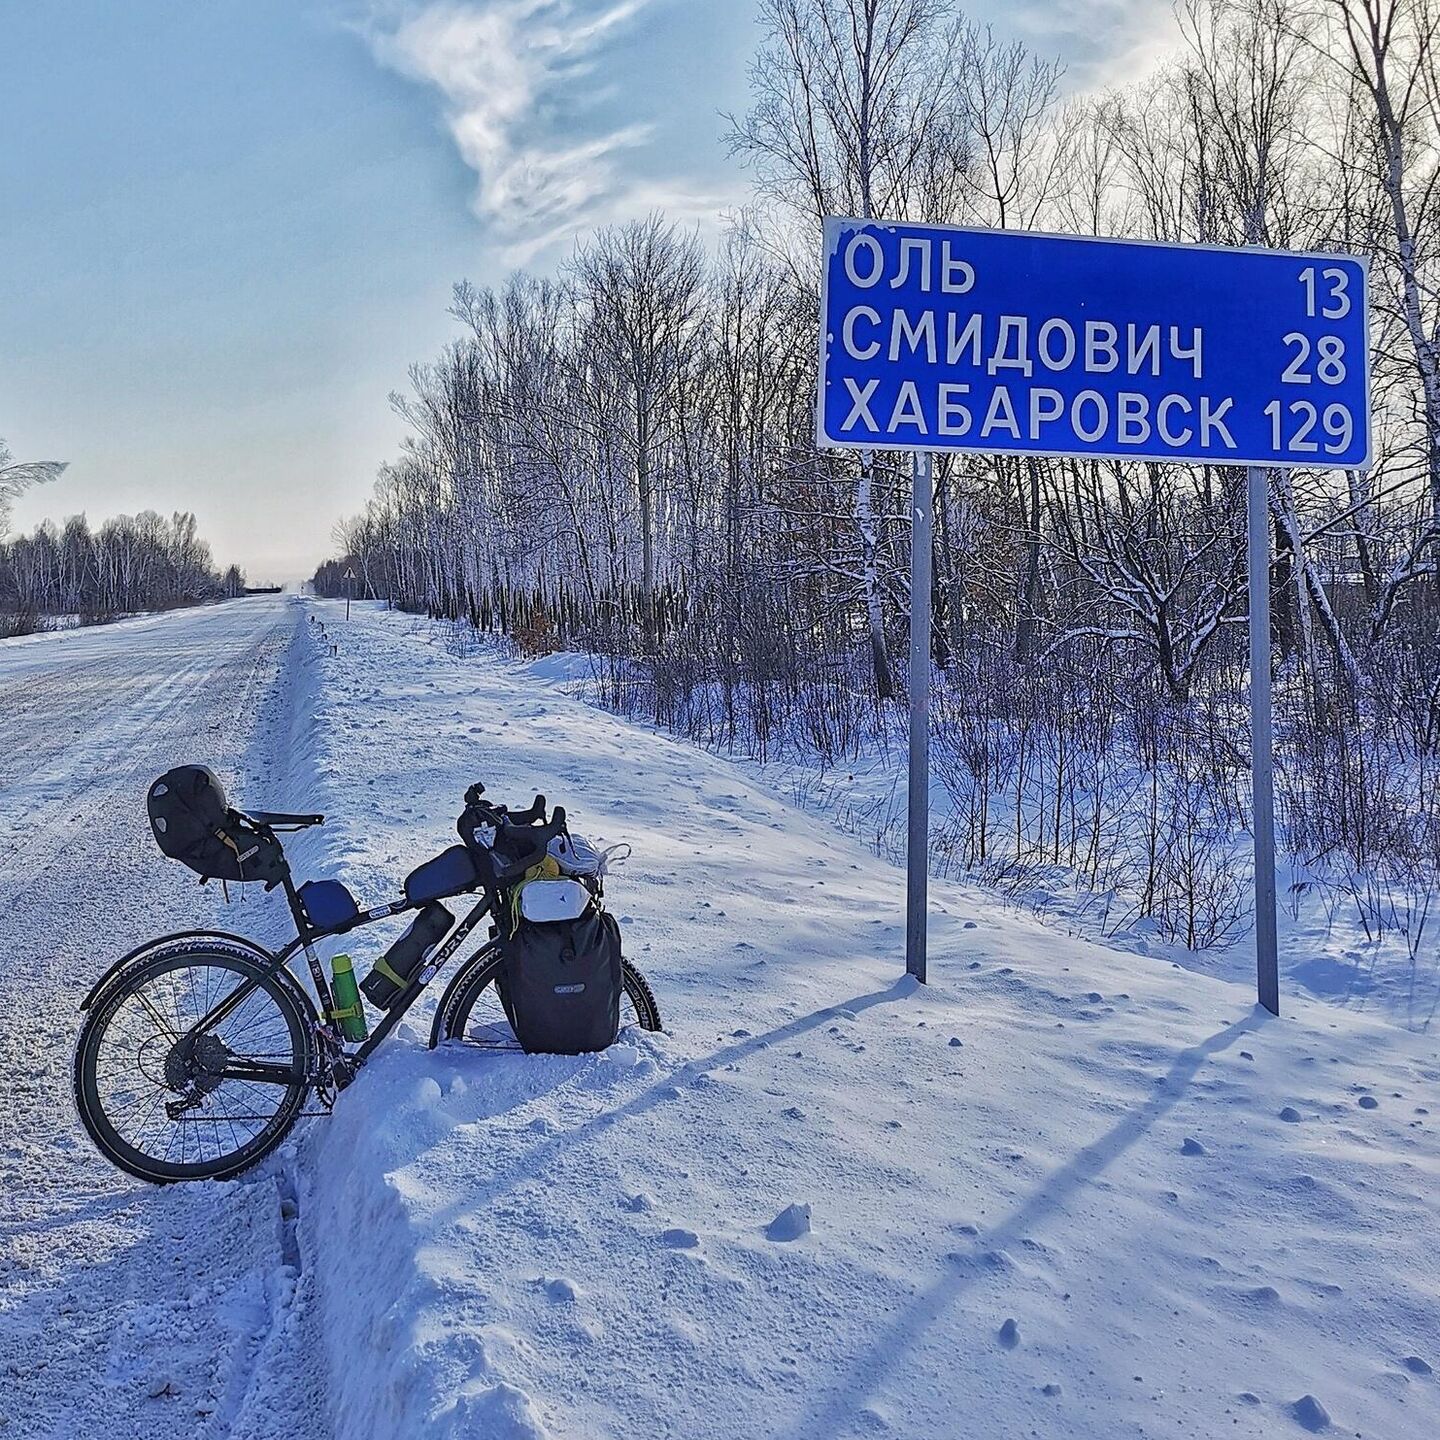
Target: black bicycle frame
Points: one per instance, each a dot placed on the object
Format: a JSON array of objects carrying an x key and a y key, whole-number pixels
[{"x": 305, "y": 937}]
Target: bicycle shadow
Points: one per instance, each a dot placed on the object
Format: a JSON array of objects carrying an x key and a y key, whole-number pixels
[
  {"x": 670, "y": 1083},
  {"x": 863, "y": 1373}
]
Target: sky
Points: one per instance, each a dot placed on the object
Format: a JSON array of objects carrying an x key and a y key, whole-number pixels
[{"x": 227, "y": 229}]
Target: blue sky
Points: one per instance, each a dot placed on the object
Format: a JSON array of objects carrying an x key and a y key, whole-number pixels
[{"x": 226, "y": 228}]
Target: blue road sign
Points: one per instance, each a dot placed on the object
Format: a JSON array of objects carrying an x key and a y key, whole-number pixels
[{"x": 940, "y": 338}]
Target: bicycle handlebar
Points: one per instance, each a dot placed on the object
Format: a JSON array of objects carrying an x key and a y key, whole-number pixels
[{"x": 521, "y": 836}]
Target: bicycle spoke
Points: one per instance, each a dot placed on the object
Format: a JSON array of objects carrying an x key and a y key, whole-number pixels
[{"x": 155, "y": 1014}]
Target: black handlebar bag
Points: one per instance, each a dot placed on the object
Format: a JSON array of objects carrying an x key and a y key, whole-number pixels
[{"x": 560, "y": 978}]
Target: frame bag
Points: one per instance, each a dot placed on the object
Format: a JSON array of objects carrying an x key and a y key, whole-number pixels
[
  {"x": 193, "y": 824},
  {"x": 560, "y": 978}
]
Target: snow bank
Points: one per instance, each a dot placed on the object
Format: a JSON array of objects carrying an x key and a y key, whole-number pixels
[{"x": 1055, "y": 1192}]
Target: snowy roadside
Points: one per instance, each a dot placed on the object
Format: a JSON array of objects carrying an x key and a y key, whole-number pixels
[
  {"x": 1326, "y": 953},
  {"x": 1061, "y": 1191}
]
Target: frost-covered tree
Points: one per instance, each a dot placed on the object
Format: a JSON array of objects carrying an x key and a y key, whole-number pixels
[{"x": 17, "y": 477}]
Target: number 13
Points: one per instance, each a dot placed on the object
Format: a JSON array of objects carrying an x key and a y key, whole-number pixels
[{"x": 1339, "y": 298}]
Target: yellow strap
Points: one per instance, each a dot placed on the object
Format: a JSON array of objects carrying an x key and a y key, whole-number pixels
[{"x": 383, "y": 967}]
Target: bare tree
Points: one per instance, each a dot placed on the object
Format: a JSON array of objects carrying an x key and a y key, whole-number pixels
[
  {"x": 643, "y": 285},
  {"x": 16, "y": 477}
]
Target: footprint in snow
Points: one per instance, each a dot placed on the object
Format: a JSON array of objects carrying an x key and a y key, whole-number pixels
[
  {"x": 638, "y": 1202},
  {"x": 679, "y": 1238},
  {"x": 560, "y": 1289},
  {"x": 1416, "y": 1366},
  {"x": 1010, "y": 1334},
  {"x": 1368, "y": 1102},
  {"x": 1192, "y": 1147},
  {"x": 1291, "y": 1116},
  {"x": 499, "y": 1409}
]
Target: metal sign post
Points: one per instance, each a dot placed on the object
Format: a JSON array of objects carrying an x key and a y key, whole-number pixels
[
  {"x": 935, "y": 337},
  {"x": 1262, "y": 756},
  {"x": 917, "y": 847}
]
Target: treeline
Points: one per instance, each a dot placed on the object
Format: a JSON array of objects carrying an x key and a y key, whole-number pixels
[
  {"x": 622, "y": 458},
  {"x": 131, "y": 563}
]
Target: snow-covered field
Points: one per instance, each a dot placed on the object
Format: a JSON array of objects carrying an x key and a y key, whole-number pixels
[{"x": 1062, "y": 1191}]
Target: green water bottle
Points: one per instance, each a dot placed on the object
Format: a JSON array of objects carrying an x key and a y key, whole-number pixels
[{"x": 346, "y": 995}]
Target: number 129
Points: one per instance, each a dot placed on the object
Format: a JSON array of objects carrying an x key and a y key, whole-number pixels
[{"x": 1336, "y": 423}]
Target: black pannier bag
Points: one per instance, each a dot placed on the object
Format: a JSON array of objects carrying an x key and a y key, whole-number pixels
[
  {"x": 194, "y": 825},
  {"x": 560, "y": 979},
  {"x": 395, "y": 969}
]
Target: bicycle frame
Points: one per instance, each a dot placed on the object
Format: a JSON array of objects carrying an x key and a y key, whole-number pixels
[{"x": 341, "y": 1063}]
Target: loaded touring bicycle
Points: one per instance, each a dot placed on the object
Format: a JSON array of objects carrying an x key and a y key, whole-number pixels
[{"x": 199, "y": 1050}]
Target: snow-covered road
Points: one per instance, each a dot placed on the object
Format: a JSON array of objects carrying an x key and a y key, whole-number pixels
[
  {"x": 124, "y": 1310},
  {"x": 1061, "y": 1192}
]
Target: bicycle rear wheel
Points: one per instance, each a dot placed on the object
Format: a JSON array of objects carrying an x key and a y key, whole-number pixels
[
  {"x": 167, "y": 1101},
  {"x": 471, "y": 1009}
]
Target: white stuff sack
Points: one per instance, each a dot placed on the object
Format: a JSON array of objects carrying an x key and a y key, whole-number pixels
[
  {"x": 546, "y": 901},
  {"x": 575, "y": 855}
]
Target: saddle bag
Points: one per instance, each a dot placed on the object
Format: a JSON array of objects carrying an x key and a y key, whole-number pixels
[
  {"x": 560, "y": 978},
  {"x": 193, "y": 823}
]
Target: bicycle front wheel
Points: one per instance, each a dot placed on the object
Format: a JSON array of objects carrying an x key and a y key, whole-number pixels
[{"x": 168, "y": 1099}]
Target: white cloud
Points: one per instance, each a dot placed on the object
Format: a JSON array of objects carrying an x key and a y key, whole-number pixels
[
  {"x": 1102, "y": 42},
  {"x": 516, "y": 77}
]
